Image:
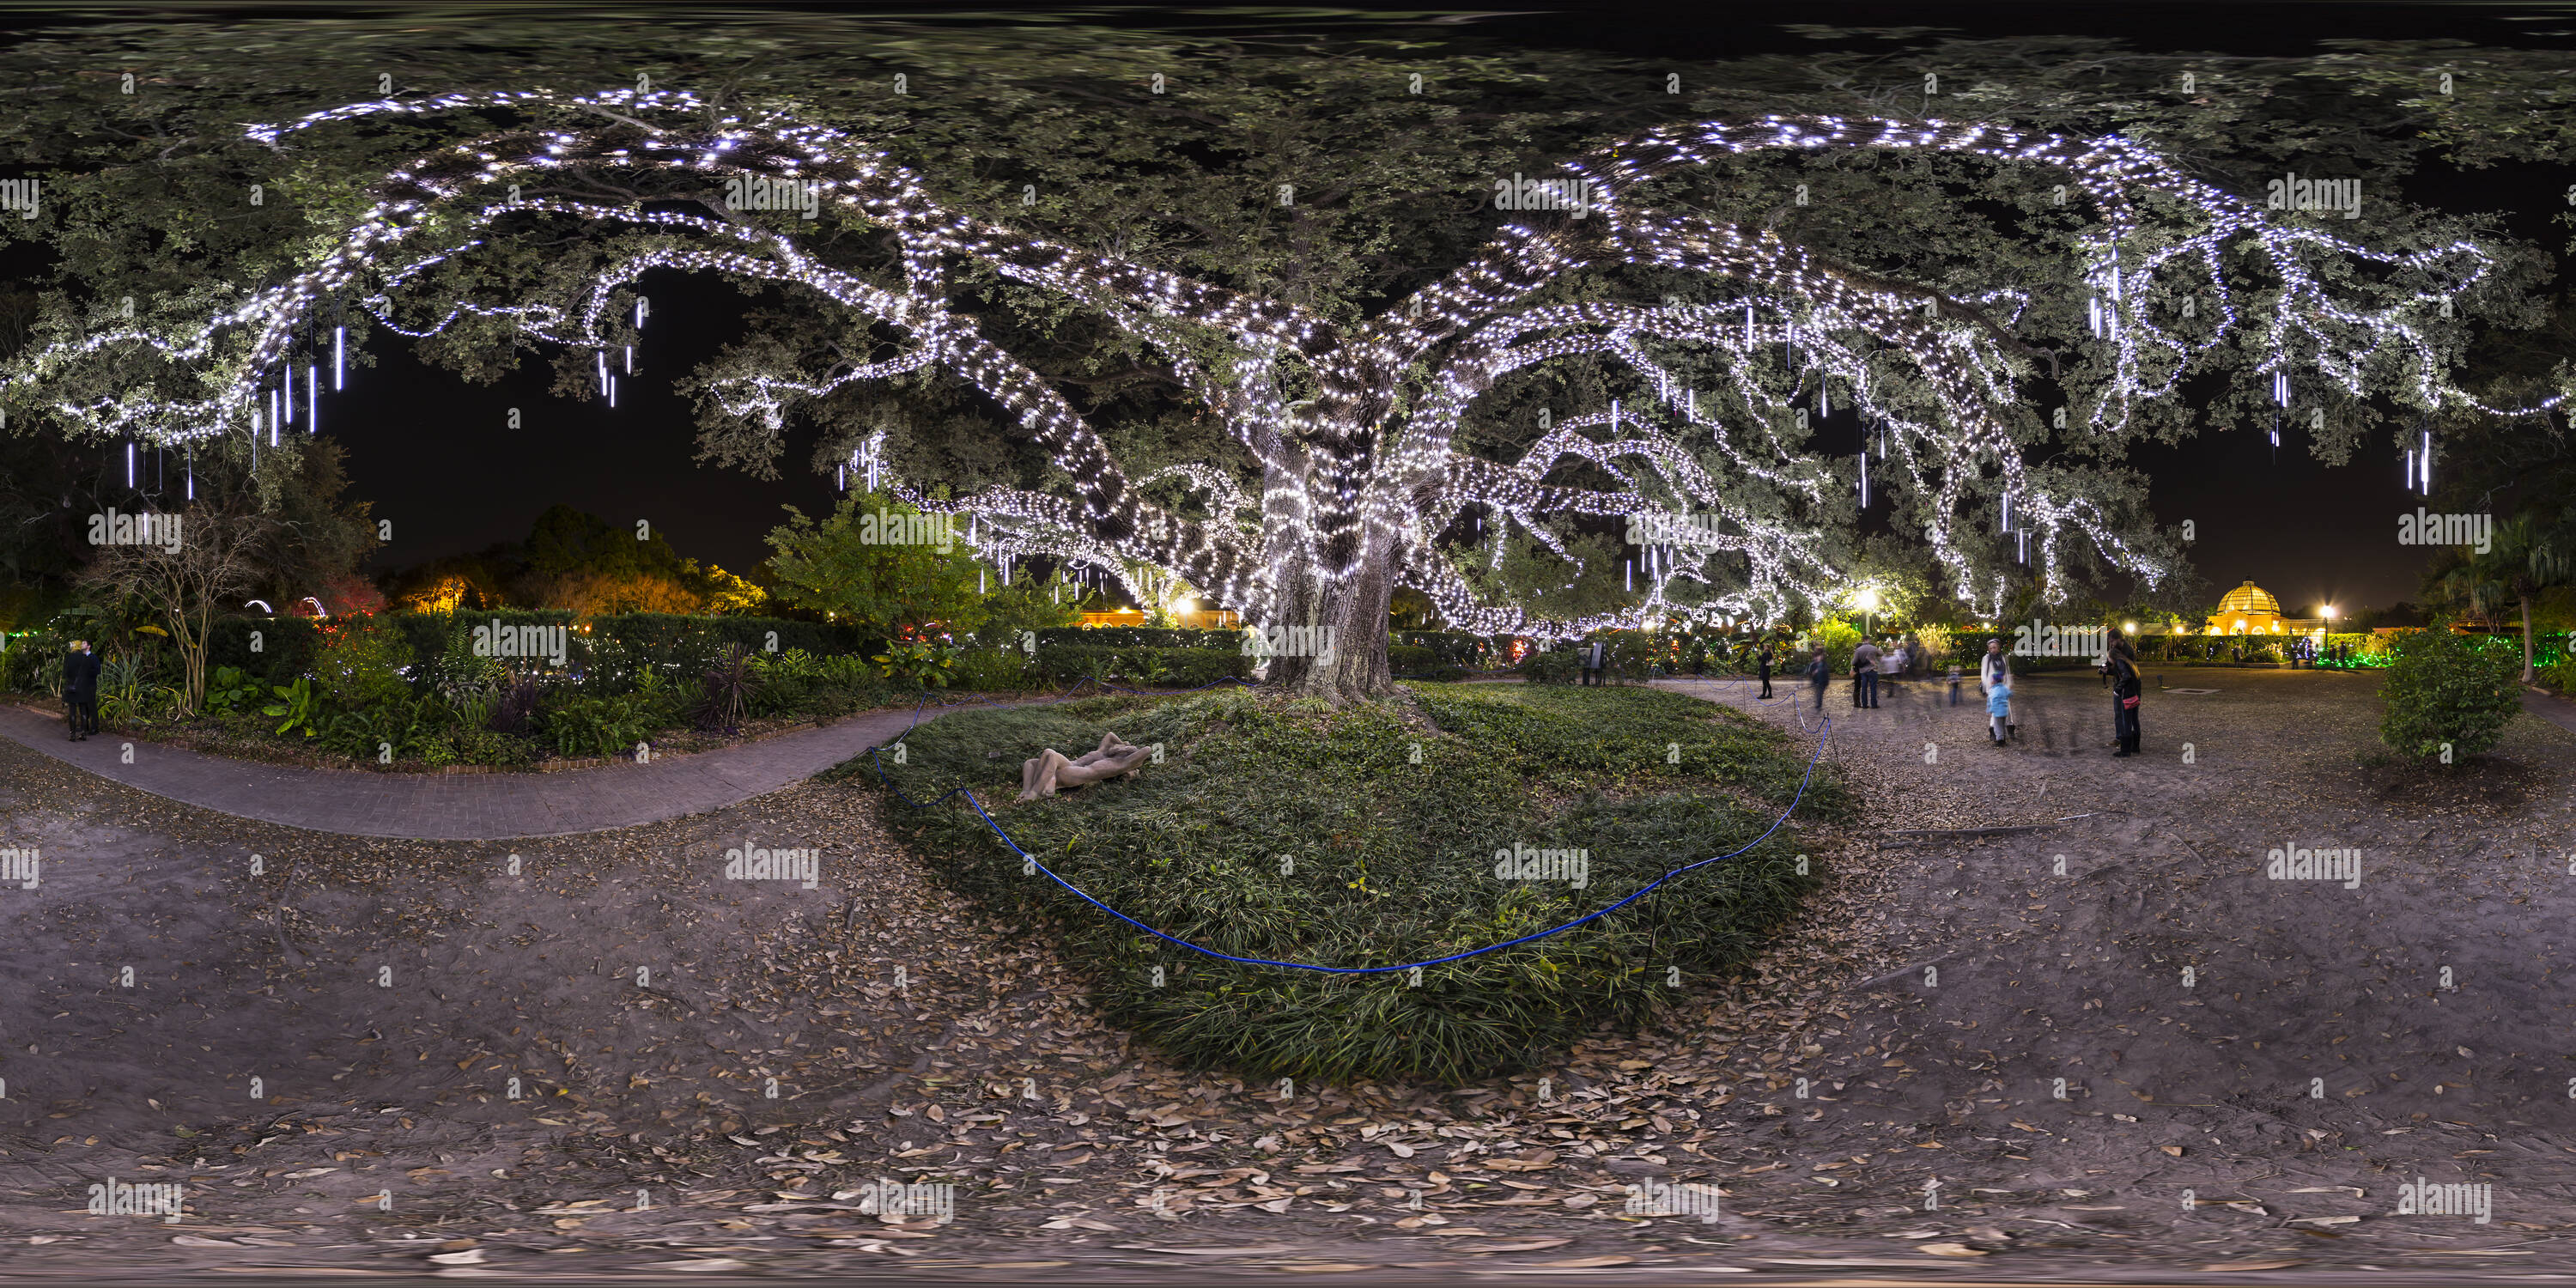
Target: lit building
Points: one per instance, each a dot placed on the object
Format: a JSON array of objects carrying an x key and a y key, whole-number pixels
[{"x": 2251, "y": 610}]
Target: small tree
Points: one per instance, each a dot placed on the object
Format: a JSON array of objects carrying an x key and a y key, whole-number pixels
[
  {"x": 185, "y": 582},
  {"x": 2447, "y": 692},
  {"x": 877, "y": 562},
  {"x": 1027, "y": 604}
]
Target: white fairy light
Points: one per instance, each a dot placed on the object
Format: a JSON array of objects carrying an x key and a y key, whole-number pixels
[{"x": 1365, "y": 492}]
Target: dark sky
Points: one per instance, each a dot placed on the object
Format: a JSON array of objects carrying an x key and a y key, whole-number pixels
[{"x": 437, "y": 457}]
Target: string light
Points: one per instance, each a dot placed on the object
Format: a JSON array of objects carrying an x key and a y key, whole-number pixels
[{"x": 1355, "y": 499}]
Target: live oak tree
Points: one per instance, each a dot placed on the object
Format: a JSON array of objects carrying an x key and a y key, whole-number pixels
[{"x": 1251, "y": 317}]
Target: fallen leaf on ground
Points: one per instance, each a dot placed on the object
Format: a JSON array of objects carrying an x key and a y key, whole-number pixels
[{"x": 1248, "y": 1250}]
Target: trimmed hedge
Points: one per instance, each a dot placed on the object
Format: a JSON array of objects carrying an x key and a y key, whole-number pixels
[
  {"x": 1136, "y": 637},
  {"x": 618, "y": 644},
  {"x": 1186, "y": 668},
  {"x": 1458, "y": 648},
  {"x": 1409, "y": 662}
]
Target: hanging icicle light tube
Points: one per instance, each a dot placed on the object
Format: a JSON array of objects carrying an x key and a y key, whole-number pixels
[{"x": 1348, "y": 490}]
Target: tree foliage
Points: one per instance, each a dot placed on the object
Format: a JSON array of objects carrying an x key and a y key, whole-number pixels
[
  {"x": 854, "y": 566},
  {"x": 1261, "y": 171},
  {"x": 2449, "y": 696}
]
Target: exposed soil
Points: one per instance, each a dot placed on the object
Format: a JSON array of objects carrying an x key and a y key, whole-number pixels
[{"x": 1070, "y": 1148}]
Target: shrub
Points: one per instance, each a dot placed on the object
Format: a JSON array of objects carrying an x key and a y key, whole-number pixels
[
  {"x": 584, "y": 724},
  {"x": 2560, "y": 675},
  {"x": 1458, "y": 648},
  {"x": 298, "y": 706},
  {"x": 285, "y": 646},
  {"x": 1186, "y": 668},
  {"x": 34, "y": 663},
  {"x": 1558, "y": 666},
  {"x": 729, "y": 687},
  {"x": 230, "y": 690},
  {"x": 1631, "y": 655},
  {"x": 1137, "y": 637},
  {"x": 1838, "y": 639},
  {"x": 361, "y": 665},
  {"x": 2444, "y": 688},
  {"x": 453, "y": 670},
  {"x": 404, "y": 729},
  {"x": 1404, "y": 659},
  {"x": 798, "y": 681},
  {"x": 992, "y": 670},
  {"x": 1393, "y": 863},
  {"x": 917, "y": 665},
  {"x": 515, "y": 704}
]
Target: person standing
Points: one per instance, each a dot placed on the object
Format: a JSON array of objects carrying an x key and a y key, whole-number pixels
[
  {"x": 1763, "y": 659},
  {"x": 2125, "y": 694},
  {"x": 1865, "y": 675},
  {"x": 1994, "y": 669},
  {"x": 1891, "y": 664},
  {"x": 1999, "y": 708},
  {"x": 1819, "y": 675},
  {"x": 80, "y": 690}
]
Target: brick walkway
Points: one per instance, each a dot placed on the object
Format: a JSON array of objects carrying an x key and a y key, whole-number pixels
[{"x": 464, "y": 807}]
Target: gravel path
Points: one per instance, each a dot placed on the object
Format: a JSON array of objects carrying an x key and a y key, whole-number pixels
[
  {"x": 463, "y": 806},
  {"x": 1078, "y": 1153}
]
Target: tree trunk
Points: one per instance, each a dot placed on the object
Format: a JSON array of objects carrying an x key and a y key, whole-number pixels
[
  {"x": 1354, "y": 612},
  {"x": 2526, "y": 638}
]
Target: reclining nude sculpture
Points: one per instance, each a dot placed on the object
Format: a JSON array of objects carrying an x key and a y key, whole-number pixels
[{"x": 1051, "y": 769}]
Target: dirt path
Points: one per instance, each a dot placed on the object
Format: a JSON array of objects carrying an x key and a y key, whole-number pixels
[
  {"x": 1075, "y": 1154},
  {"x": 464, "y": 807}
]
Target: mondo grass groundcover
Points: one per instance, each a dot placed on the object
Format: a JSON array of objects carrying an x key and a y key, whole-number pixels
[{"x": 1285, "y": 830}]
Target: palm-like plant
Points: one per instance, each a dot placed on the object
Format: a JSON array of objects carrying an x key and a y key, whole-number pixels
[
  {"x": 730, "y": 686},
  {"x": 2532, "y": 552}
]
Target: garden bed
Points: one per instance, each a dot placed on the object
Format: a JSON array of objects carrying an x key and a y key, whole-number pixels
[{"x": 1284, "y": 830}]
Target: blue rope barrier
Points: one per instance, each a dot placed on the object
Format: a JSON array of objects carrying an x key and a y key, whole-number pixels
[{"x": 1031, "y": 866}]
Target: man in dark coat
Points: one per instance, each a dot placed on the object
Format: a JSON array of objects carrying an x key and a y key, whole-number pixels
[
  {"x": 2126, "y": 694},
  {"x": 1765, "y": 660},
  {"x": 80, "y": 690}
]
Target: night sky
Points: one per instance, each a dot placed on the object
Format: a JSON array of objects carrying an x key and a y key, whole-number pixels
[{"x": 436, "y": 456}]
